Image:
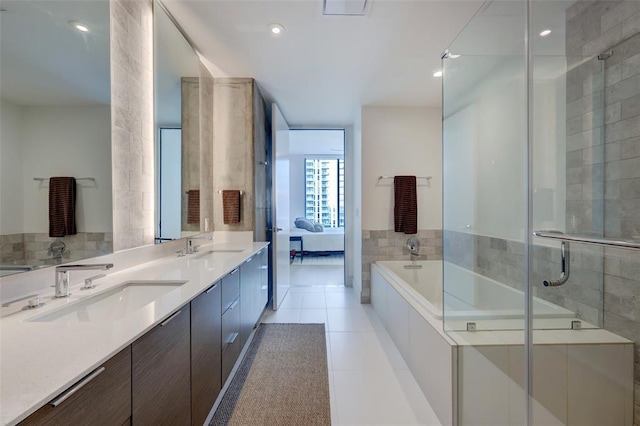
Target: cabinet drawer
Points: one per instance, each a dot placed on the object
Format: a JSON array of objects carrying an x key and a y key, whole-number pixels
[
  {"x": 230, "y": 338},
  {"x": 102, "y": 397},
  {"x": 230, "y": 289},
  {"x": 161, "y": 373}
]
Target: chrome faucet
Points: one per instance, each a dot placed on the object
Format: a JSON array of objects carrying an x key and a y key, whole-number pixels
[
  {"x": 193, "y": 249},
  {"x": 62, "y": 275}
]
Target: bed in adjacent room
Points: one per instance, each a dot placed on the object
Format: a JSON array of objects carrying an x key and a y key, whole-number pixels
[{"x": 329, "y": 240}]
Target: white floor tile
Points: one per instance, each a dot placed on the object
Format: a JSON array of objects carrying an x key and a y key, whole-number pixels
[
  {"x": 332, "y": 399},
  {"x": 314, "y": 301},
  {"x": 352, "y": 319},
  {"x": 416, "y": 399},
  {"x": 357, "y": 351},
  {"x": 313, "y": 316},
  {"x": 369, "y": 381},
  {"x": 306, "y": 289},
  {"x": 282, "y": 316},
  {"x": 292, "y": 301},
  {"x": 390, "y": 350},
  {"x": 341, "y": 300},
  {"x": 363, "y": 398}
]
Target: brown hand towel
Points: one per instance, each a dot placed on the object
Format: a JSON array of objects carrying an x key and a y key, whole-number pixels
[
  {"x": 62, "y": 206},
  {"x": 193, "y": 206},
  {"x": 231, "y": 206},
  {"x": 405, "y": 210}
]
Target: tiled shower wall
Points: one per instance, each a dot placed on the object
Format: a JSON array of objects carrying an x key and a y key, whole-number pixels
[
  {"x": 390, "y": 245},
  {"x": 607, "y": 150},
  {"x": 132, "y": 122},
  {"x": 503, "y": 260},
  {"x": 32, "y": 248}
]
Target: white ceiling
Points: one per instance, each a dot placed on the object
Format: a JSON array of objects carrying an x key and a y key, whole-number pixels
[
  {"x": 316, "y": 142},
  {"x": 45, "y": 61},
  {"x": 323, "y": 68}
]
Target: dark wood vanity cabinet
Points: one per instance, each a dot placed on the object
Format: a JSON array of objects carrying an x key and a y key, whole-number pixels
[
  {"x": 161, "y": 373},
  {"x": 253, "y": 292},
  {"x": 173, "y": 374},
  {"x": 230, "y": 323},
  {"x": 103, "y": 397},
  {"x": 206, "y": 352}
]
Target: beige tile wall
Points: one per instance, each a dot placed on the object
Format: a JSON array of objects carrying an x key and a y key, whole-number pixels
[
  {"x": 603, "y": 113},
  {"x": 233, "y": 150},
  {"x": 190, "y": 145},
  {"x": 390, "y": 245},
  {"x": 132, "y": 122}
]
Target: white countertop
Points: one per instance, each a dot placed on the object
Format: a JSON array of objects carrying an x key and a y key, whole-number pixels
[{"x": 39, "y": 360}]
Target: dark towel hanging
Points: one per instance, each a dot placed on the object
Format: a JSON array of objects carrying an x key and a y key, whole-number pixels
[
  {"x": 62, "y": 206},
  {"x": 405, "y": 210},
  {"x": 231, "y": 206},
  {"x": 193, "y": 206}
]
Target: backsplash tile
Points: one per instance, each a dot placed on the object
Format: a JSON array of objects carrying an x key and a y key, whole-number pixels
[{"x": 391, "y": 245}]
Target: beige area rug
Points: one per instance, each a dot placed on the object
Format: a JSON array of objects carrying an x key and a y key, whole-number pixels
[{"x": 282, "y": 380}]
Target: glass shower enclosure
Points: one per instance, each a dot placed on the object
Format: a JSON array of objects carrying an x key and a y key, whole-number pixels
[{"x": 541, "y": 148}]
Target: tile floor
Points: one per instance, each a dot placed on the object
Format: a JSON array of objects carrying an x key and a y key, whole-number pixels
[{"x": 370, "y": 384}]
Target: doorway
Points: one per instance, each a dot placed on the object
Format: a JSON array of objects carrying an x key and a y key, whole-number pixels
[{"x": 317, "y": 207}]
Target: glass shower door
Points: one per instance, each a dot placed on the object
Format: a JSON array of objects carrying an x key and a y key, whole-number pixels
[
  {"x": 541, "y": 133},
  {"x": 582, "y": 97},
  {"x": 484, "y": 199}
]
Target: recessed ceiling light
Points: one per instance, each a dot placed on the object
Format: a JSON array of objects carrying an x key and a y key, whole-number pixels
[
  {"x": 437, "y": 73},
  {"x": 276, "y": 29},
  {"x": 545, "y": 33},
  {"x": 83, "y": 28}
]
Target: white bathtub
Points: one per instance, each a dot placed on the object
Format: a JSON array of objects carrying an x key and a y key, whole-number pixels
[
  {"x": 468, "y": 296},
  {"x": 485, "y": 366}
]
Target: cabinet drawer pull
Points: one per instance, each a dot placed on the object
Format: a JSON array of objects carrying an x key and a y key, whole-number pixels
[
  {"x": 259, "y": 252},
  {"x": 234, "y": 304},
  {"x": 62, "y": 398},
  {"x": 234, "y": 271},
  {"x": 264, "y": 267},
  {"x": 248, "y": 260},
  {"x": 212, "y": 288},
  {"x": 230, "y": 342},
  {"x": 233, "y": 338},
  {"x": 264, "y": 287},
  {"x": 165, "y": 322}
]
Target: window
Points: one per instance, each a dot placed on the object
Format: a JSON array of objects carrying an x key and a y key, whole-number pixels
[{"x": 324, "y": 185}]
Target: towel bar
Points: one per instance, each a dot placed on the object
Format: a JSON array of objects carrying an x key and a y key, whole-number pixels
[
  {"x": 418, "y": 177},
  {"x": 220, "y": 192},
  {"x": 82, "y": 178}
]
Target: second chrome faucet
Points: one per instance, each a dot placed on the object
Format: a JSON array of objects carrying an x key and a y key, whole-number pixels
[{"x": 62, "y": 275}]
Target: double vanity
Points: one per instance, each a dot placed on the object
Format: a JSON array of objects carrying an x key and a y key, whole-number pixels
[{"x": 150, "y": 344}]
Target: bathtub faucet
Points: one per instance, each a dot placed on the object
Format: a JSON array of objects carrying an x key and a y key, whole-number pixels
[{"x": 413, "y": 244}]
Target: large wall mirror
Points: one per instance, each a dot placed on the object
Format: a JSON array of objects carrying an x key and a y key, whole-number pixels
[
  {"x": 55, "y": 121},
  {"x": 177, "y": 131}
]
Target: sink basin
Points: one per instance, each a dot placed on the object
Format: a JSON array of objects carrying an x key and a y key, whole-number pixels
[
  {"x": 217, "y": 252},
  {"x": 112, "y": 305}
]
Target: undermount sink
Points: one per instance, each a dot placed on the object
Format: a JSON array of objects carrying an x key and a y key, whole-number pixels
[
  {"x": 216, "y": 252},
  {"x": 112, "y": 305}
]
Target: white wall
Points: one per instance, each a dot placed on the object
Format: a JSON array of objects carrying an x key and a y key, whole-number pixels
[
  {"x": 353, "y": 192},
  {"x": 485, "y": 152},
  {"x": 68, "y": 141},
  {"x": 400, "y": 141},
  {"x": 11, "y": 182}
]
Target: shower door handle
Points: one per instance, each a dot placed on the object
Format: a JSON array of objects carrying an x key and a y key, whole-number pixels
[{"x": 564, "y": 262}]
